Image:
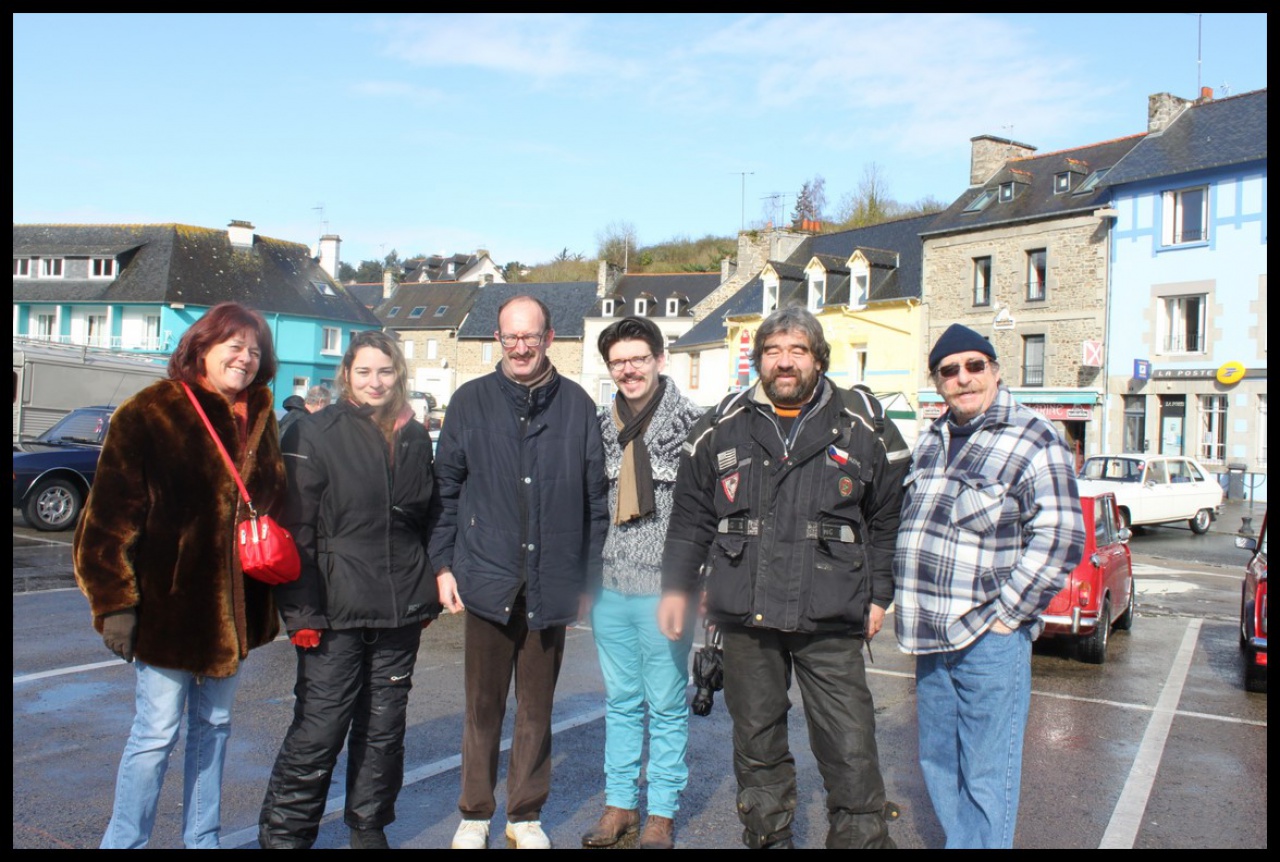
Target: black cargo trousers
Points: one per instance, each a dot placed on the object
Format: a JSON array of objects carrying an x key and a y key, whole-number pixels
[
  {"x": 353, "y": 687},
  {"x": 832, "y": 677}
]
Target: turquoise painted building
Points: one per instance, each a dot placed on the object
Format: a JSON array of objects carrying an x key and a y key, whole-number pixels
[{"x": 137, "y": 288}]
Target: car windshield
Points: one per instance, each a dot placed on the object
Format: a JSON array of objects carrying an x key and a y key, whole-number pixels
[
  {"x": 78, "y": 426},
  {"x": 1112, "y": 469}
]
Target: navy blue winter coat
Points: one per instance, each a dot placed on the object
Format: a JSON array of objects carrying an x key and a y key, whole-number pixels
[{"x": 521, "y": 477}]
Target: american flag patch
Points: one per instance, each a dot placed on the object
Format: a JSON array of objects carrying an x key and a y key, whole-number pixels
[{"x": 726, "y": 460}]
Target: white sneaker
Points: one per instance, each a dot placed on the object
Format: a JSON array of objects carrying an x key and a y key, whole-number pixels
[
  {"x": 528, "y": 835},
  {"x": 471, "y": 835}
]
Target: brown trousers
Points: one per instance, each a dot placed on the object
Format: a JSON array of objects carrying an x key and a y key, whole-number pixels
[{"x": 493, "y": 653}]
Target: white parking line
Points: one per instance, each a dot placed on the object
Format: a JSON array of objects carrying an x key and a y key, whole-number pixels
[
  {"x": 40, "y": 539},
  {"x": 1126, "y": 818}
]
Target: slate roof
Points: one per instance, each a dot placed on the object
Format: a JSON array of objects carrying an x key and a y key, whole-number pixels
[
  {"x": 690, "y": 286},
  {"x": 169, "y": 263},
  {"x": 456, "y": 296},
  {"x": 1034, "y": 196},
  {"x": 1214, "y": 134},
  {"x": 435, "y": 267},
  {"x": 568, "y": 301},
  {"x": 893, "y": 242},
  {"x": 368, "y": 293}
]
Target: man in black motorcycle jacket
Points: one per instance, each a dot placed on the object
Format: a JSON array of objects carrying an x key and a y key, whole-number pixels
[{"x": 791, "y": 500}]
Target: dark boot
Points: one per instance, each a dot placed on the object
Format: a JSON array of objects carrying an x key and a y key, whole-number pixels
[
  {"x": 614, "y": 825},
  {"x": 658, "y": 834},
  {"x": 369, "y": 839},
  {"x": 777, "y": 841},
  {"x": 858, "y": 831}
]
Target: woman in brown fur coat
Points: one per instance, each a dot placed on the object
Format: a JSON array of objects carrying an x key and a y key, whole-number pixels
[{"x": 155, "y": 555}]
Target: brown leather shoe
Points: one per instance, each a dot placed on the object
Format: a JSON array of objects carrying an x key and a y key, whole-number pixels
[
  {"x": 658, "y": 834},
  {"x": 614, "y": 825}
]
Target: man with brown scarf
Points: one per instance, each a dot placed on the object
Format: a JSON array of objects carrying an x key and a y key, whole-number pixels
[
  {"x": 520, "y": 470},
  {"x": 643, "y": 431}
]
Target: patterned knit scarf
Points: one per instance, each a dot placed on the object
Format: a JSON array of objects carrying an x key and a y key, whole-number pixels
[{"x": 635, "y": 479}]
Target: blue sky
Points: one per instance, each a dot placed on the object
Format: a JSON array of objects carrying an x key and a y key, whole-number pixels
[{"x": 528, "y": 134}]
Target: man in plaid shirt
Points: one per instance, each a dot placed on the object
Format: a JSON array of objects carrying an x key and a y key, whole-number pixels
[{"x": 990, "y": 528}]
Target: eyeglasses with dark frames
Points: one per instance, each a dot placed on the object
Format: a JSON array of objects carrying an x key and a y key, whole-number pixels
[
  {"x": 973, "y": 366},
  {"x": 617, "y": 366},
  {"x": 531, "y": 340}
]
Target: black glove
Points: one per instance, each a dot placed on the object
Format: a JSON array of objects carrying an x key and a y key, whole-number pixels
[{"x": 119, "y": 631}]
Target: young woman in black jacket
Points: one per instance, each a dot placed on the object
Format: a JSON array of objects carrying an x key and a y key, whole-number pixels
[{"x": 361, "y": 503}]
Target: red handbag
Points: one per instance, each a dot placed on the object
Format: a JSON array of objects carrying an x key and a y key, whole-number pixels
[{"x": 267, "y": 550}]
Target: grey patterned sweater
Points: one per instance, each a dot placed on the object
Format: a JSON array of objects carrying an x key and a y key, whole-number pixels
[{"x": 633, "y": 551}]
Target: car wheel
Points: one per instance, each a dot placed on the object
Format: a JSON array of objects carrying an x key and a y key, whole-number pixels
[
  {"x": 1126, "y": 522},
  {"x": 1125, "y": 622},
  {"x": 1200, "y": 523},
  {"x": 1255, "y": 677},
  {"x": 53, "y": 505},
  {"x": 1093, "y": 647}
]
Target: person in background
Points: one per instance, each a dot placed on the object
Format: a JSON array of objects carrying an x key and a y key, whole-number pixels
[
  {"x": 643, "y": 431},
  {"x": 521, "y": 473},
  {"x": 791, "y": 502},
  {"x": 361, "y": 503},
  {"x": 154, "y": 553},
  {"x": 991, "y": 525},
  {"x": 318, "y": 398}
]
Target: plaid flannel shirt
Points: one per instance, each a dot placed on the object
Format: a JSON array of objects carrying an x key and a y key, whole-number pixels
[{"x": 991, "y": 536}]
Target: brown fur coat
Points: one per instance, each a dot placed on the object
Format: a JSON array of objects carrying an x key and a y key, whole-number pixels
[{"x": 158, "y": 528}]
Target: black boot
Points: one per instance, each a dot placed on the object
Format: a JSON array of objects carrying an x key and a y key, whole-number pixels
[{"x": 369, "y": 839}]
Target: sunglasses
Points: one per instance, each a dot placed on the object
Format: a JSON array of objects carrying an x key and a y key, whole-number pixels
[{"x": 973, "y": 366}]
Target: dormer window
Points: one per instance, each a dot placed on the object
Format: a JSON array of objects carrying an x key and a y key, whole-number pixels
[
  {"x": 51, "y": 267},
  {"x": 1006, "y": 192},
  {"x": 770, "y": 297},
  {"x": 1062, "y": 183},
  {"x": 1092, "y": 181},
  {"x": 673, "y": 307},
  {"x": 981, "y": 202},
  {"x": 860, "y": 279},
  {"x": 606, "y": 308},
  {"x": 642, "y": 306},
  {"x": 103, "y": 267},
  {"x": 22, "y": 267},
  {"x": 817, "y": 293}
]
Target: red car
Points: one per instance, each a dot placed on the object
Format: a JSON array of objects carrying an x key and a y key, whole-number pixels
[
  {"x": 1253, "y": 610},
  {"x": 1099, "y": 594}
]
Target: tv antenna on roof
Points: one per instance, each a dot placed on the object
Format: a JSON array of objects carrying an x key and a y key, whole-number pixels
[
  {"x": 744, "y": 174},
  {"x": 324, "y": 225}
]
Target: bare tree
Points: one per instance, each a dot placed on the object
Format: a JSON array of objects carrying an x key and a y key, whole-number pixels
[
  {"x": 616, "y": 242},
  {"x": 871, "y": 203}
]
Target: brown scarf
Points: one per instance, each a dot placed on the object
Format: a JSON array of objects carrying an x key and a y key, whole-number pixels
[{"x": 635, "y": 478}]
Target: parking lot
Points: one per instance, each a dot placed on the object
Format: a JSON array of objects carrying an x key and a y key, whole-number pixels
[{"x": 1160, "y": 747}]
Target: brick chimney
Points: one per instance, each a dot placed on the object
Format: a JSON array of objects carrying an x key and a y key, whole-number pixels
[
  {"x": 1163, "y": 109},
  {"x": 1206, "y": 94},
  {"x": 240, "y": 233},
  {"x": 329, "y": 244},
  {"x": 989, "y": 154}
]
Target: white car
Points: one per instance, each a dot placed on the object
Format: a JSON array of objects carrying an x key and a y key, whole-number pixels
[{"x": 1155, "y": 489}]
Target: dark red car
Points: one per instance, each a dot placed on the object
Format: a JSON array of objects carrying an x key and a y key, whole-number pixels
[
  {"x": 1099, "y": 595},
  {"x": 1253, "y": 610}
]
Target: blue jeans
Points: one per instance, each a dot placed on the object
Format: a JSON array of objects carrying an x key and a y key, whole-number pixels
[
  {"x": 160, "y": 698},
  {"x": 972, "y": 708},
  {"x": 641, "y": 667}
]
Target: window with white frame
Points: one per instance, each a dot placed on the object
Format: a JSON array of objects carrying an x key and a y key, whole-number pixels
[
  {"x": 433, "y": 348},
  {"x": 1033, "y": 360},
  {"x": 982, "y": 281},
  {"x": 95, "y": 331},
  {"x": 642, "y": 306},
  {"x": 673, "y": 307},
  {"x": 418, "y": 311},
  {"x": 486, "y": 352},
  {"x": 332, "y": 340},
  {"x": 151, "y": 332},
  {"x": 1036, "y": 274},
  {"x": 44, "y": 328},
  {"x": 695, "y": 370},
  {"x": 1186, "y": 216},
  {"x": 395, "y": 309},
  {"x": 1213, "y": 428},
  {"x": 606, "y": 308},
  {"x": 51, "y": 267},
  {"x": 1184, "y": 324},
  {"x": 22, "y": 267},
  {"x": 770, "y": 296},
  {"x": 817, "y": 293},
  {"x": 406, "y": 347},
  {"x": 858, "y": 364},
  {"x": 103, "y": 267},
  {"x": 860, "y": 282}
]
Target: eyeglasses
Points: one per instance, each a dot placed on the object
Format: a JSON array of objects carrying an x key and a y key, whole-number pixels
[
  {"x": 532, "y": 340},
  {"x": 636, "y": 362},
  {"x": 973, "y": 366}
]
